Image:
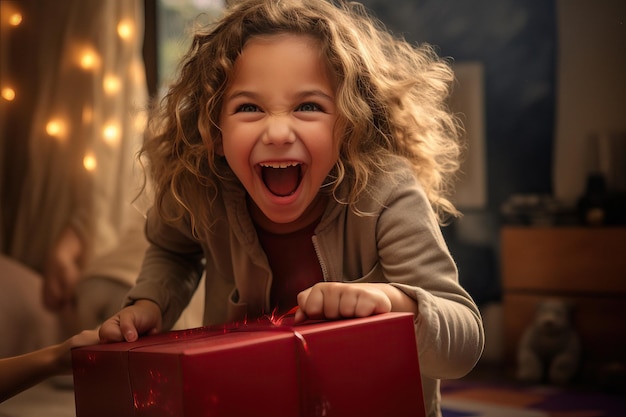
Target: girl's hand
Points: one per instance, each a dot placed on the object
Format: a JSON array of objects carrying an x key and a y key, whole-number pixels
[
  {"x": 143, "y": 317},
  {"x": 334, "y": 300}
]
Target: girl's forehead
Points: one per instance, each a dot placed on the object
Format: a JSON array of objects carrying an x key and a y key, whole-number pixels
[
  {"x": 285, "y": 46},
  {"x": 281, "y": 61},
  {"x": 275, "y": 38},
  {"x": 269, "y": 38}
]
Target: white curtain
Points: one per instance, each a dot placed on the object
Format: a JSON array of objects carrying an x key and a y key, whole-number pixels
[
  {"x": 68, "y": 150},
  {"x": 86, "y": 127}
]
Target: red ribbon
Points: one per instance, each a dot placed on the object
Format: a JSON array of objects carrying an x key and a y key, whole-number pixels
[{"x": 312, "y": 400}]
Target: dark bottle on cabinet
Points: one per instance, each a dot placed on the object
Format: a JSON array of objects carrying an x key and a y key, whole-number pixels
[{"x": 592, "y": 205}]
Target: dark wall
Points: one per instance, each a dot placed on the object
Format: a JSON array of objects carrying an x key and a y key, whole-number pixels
[{"x": 516, "y": 42}]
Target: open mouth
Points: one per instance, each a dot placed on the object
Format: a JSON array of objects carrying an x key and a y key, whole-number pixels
[{"x": 281, "y": 179}]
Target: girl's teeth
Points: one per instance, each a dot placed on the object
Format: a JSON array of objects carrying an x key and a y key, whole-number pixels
[{"x": 280, "y": 165}]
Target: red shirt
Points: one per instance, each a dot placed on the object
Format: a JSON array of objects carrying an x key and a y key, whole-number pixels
[{"x": 294, "y": 265}]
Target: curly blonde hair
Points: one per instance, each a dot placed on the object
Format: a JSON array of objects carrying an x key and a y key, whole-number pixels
[{"x": 391, "y": 99}]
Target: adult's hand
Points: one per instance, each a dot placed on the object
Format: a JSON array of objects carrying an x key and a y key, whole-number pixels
[{"x": 62, "y": 270}]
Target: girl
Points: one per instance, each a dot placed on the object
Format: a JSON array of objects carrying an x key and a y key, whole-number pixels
[{"x": 303, "y": 158}]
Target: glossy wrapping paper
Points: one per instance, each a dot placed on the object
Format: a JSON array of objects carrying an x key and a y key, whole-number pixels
[{"x": 365, "y": 367}]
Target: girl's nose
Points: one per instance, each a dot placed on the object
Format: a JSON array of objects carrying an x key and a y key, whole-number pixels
[{"x": 278, "y": 131}]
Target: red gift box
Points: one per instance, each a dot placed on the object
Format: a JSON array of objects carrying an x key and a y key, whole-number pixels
[{"x": 355, "y": 367}]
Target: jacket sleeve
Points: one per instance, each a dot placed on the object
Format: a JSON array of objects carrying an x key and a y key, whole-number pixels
[
  {"x": 415, "y": 259},
  {"x": 171, "y": 269}
]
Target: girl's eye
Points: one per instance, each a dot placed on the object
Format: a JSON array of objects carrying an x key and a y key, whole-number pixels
[
  {"x": 309, "y": 107},
  {"x": 247, "y": 108}
]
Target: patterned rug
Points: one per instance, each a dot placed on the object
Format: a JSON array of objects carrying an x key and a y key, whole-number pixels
[{"x": 482, "y": 399}]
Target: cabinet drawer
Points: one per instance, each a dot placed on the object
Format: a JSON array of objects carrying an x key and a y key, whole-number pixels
[{"x": 564, "y": 259}]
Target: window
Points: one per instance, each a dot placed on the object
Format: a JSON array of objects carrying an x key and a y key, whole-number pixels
[{"x": 175, "y": 21}]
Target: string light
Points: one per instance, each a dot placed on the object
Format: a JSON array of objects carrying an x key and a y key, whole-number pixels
[
  {"x": 88, "y": 59},
  {"x": 15, "y": 19},
  {"x": 8, "y": 93},
  {"x": 125, "y": 29},
  {"x": 56, "y": 128},
  {"x": 111, "y": 133},
  {"x": 111, "y": 84},
  {"x": 89, "y": 162}
]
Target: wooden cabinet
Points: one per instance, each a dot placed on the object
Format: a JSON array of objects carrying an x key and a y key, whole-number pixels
[{"x": 584, "y": 265}]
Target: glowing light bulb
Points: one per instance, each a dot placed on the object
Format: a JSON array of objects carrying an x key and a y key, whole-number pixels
[
  {"x": 88, "y": 60},
  {"x": 8, "y": 93},
  {"x": 89, "y": 162},
  {"x": 111, "y": 133},
  {"x": 125, "y": 29},
  {"x": 111, "y": 84},
  {"x": 56, "y": 128},
  {"x": 15, "y": 19}
]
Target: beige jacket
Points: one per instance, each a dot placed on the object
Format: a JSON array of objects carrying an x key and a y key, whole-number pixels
[{"x": 400, "y": 243}]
